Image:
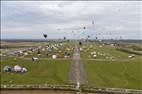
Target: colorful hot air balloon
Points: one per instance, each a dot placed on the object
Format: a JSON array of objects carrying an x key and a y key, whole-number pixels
[{"x": 17, "y": 68}]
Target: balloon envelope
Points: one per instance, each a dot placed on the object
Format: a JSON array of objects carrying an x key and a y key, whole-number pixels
[
  {"x": 7, "y": 69},
  {"x": 54, "y": 56},
  {"x": 45, "y": 35},
  {"x": 17, "y": 68},
  {"x": 84, "y": 27},
  {"x": 92, "y": 22},
  {"x": 88, "y": 36},
  {"x": 24, "y": 70},
  {"x": 64, "y": 38}
]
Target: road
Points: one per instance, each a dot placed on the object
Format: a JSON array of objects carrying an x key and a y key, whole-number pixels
[{"x": 77, "y": 72}]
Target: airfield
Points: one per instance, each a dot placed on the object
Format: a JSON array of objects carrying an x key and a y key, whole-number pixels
[{"x": 100, "y": 64}]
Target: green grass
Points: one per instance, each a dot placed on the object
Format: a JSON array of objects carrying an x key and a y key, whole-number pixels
[
  {"x": 123, "y": 73},
  {"x": 120, "y": 74},
  {"x": 105, "y": 49},
  {"x": 45, "y": 71},
  {"x": 60, "y": 49}
]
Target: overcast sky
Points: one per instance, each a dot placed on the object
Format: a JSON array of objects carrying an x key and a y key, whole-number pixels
[{"x": 30, "y": 19}]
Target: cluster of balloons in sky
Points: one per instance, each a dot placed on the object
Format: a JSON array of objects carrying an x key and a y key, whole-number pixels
[
  {"x": 82, "y": 32},
  {"x": 45, "y": 35}
]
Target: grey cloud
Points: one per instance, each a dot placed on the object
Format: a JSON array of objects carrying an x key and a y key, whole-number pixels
[{"x": 38, "y": 17}]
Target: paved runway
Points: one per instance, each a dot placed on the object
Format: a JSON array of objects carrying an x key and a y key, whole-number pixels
[{"x": 77, "y": 73}]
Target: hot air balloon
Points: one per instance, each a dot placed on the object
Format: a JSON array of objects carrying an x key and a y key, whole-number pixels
[
  {"x": 88, "y": 36},
  {"x": 84, "y": 27},
  {"x": 64, "y": 38},
  {"x": 120, "y": 37},
  {"x": 92, "y": 22},
  {"x": 80, "y": 43},
  {"x": 45, "y": 35},
  {"x": 17, "y": 68}
]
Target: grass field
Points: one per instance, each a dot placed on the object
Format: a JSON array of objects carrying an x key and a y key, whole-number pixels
[
  {"x": 120, "y": 72},
  {"x": 114, "y": 73},
  {"x": 43, "y": 71},
  {"x": 104, "y": 50}
]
